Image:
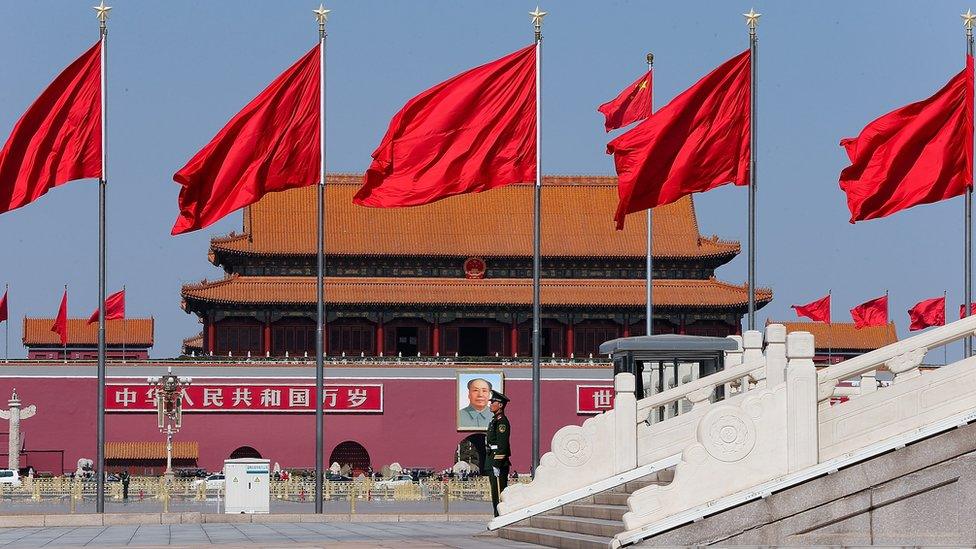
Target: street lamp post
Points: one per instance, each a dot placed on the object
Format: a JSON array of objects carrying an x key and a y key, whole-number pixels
[{"x": 169, "y": 409}]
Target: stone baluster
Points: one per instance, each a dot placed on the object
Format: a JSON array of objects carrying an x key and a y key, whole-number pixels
[
  {"x": 752, "y": 343},
  {"x": 624, "y": 423},
  {"x": 775, "y": 355},
  {"x": 801, "y": 402},
  {"x": 869, "y": 382},
  {"x": 732, "y": 358}
]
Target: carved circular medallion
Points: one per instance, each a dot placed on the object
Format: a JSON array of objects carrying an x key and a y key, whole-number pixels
[
  {"x": 475, "y": 267},
  {"x": 727, "y": 433},
  {"x": 571, "y": 447}
]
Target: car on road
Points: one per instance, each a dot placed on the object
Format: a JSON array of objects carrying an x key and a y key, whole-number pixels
[
  {"x": 212, "y": 482},
  {"x": 393, "y": 482},
  {"x": 9, "y": 477}
]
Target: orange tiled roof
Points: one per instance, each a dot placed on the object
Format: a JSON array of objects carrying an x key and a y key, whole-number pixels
[
  {"x": 194, "y": 342},
  {"x": 577, "y": 222},
  {"x": 843, "y": 335},
  {"x": 261, "y": 290},
  {"x": 182, "y": 449},
  {"x": 131, "y": 331}
]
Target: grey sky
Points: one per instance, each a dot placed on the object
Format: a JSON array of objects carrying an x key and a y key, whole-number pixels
[{"x": 179, "y": 70}]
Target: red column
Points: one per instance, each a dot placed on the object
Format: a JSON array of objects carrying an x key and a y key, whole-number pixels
[
  {"x": 681, "y": 327},
  {"x": 267, "y": 337},
  {"x": 626, "y": 329},
  {"x": 210, "y": 336},
  {"x": 513, "y": 336},
  {"x": 379, "y": 337},
  {"x": 570, "y": 338},
  {"x": 437, "y": 338}
]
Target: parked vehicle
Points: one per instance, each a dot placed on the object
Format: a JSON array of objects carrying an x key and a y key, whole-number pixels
[
  {"x": 9, "y": 477},
  {"x": 337, "y": 478},
  {"x": 393, "y": 482},
  {"x": 212, "y": 482}
]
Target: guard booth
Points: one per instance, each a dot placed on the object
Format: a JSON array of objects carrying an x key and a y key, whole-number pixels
[
  {"x": 247, "y": 485},
  {"x": 662, "y": 362}
]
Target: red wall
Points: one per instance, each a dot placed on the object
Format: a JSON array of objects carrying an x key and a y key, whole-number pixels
[{"x": 417, "y": 427}]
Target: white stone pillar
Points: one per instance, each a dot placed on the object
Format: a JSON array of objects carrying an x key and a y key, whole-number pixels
[
  {"x": 775, "y": 355},
  {"x": 624, "y": 423},
  {"x": 14, "y": 414},
  {"x": 752, "y": 343},
  {"x": 803, "y": 444},
  {"x": 732, "y": 358},
  {"x": 869, "y": 382}
]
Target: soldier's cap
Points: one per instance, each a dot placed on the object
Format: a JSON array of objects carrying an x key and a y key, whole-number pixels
[{"x": 498, "y": 397}]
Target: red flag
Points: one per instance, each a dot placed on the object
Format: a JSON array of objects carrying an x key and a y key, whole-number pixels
[
  {"x": 3, "y": 307},
  {"x": 271, "y": 145},
  {"x": 60, "y": 326},
  {"x": 871, "y": 313},
  {"x": 962, "y": 310},
  {"x": 698, "y": 141},
  {"x": 468, "y": 134},
  {"x": 633, "y": 104},
  {"x": 59, "y": 138},
  {"x": 930, "y": 312},
  {"x": 114, "y": 307},
  {"x": 918, "y": 154},
  {"x": 817, "y": 311}
]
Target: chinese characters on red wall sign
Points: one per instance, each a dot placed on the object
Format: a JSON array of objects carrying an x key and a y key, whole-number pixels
[{"x": 593, "y": 399}]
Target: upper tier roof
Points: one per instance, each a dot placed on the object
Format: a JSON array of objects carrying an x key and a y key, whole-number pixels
[
  {"x": 130, "y": 331},
  {"x": 291, "y": 290},
  {"x": 843, "y": 335},
  {"x": 577, "y": 222}
]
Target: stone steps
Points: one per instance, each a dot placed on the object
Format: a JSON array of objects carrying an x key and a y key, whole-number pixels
[
  {"x": 578, "y": 525},
  {"x": 590, "y": 522},
  {"x": 554, "y": 538}
]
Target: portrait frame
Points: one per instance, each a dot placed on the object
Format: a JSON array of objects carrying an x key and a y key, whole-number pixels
[{"x": 496, "y": 380}]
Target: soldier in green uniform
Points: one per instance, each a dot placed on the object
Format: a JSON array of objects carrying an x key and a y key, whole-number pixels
[{"x": 498, "y": 452}]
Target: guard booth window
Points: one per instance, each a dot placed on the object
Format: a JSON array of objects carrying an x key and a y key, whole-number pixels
[{"x": 662, "y": 362}]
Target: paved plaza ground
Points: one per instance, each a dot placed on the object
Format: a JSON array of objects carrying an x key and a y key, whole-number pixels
[
  {"x": 24, "y": 506},
  {"x": 412, "y": 535}
]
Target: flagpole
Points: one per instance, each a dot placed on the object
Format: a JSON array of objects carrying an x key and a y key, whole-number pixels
[
  {"x": 968, "y": 20},
  {"x": 945, "y": 306},
  {"x": 830, "y": 329},
  {"x": 6, "y": 325},
  {"x": 537, "y": 16},
  {"x": 102, "y": 14},
  {"x": 752, "y": 20},
  {"x": 649, "y": 328},
  {"x": 321, "y": 15},
  {"x": 123, "y": 329}
]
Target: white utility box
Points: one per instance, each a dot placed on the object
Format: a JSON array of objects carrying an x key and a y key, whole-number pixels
[{"x": 248, "y": 486}]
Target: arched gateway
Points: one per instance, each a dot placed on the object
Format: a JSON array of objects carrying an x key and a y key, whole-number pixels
[
  {"x": 245, "y": 452},
  {"x": 353, "y": 454}
]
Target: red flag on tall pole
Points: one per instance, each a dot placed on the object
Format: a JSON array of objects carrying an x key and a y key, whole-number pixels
[
  {"x": 929, "y": 312},
  {"x": 3, "y": 306},
  {"x": 270, "y": 145},
  {"x": 58, "y": 139},
  {"x": 918, "y": 154},
  {"x": 817, "y": 311},
  {"x": 114, "y": 308},
  {"x": 471, "y": 133},
  {"x": 60, "y": 326},
  {"x": 698, "y": 141},
  {"x": 873, "y": 312},
  {"x": 962, "y": 310},
  {"x": 633, "y": 104}
]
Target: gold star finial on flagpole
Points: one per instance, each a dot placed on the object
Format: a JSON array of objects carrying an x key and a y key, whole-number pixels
[
  {"x": 968, "y": 19},
  {"x": 321, "y": 14},
  {"x": 101, "y": 11},
  {"x": 752, "y": 19},
  {"x": 537, "y": 16}
]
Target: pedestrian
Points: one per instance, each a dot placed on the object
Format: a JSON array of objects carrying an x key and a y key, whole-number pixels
[
  {"x": 497, "y": 448},
  {"x": 124, "y": 477}
]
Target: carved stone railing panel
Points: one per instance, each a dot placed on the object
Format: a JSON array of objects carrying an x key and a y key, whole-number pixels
[
  {"x": 906, "y": 405},
  {"x": 606, "y": 444},
  {"x": 739, "y": 442},
  {"x": 904, "y": 355}
]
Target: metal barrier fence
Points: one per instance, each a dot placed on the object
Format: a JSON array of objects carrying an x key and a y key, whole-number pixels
[{"x": 71, "y": 492}]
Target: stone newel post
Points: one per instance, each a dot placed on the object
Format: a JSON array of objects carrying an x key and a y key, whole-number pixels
[
  {"x": 801, "y": 402},
  {"x": 14, "y": 414},
  {"x": 625, "y": 423}
]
